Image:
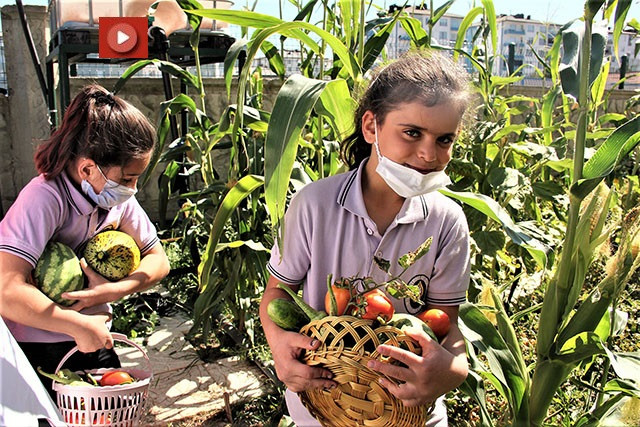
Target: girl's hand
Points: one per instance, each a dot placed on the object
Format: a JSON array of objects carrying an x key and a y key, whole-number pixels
[
  {"x": 425, "y": 377},
  {"x": 93, "y": 333},
  {"x": 99, "y": 290},
  {"x": 296, "y": 375}
]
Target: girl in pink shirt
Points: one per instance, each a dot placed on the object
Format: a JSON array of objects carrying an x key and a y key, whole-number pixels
[
  {"x": 385, "y": 206},
  {"x": 89, "y": 169}
]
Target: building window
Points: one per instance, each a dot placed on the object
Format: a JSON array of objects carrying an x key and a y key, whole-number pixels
[
  {"x": 443, "y": 22},
  {"x": 444, "y": 36}
]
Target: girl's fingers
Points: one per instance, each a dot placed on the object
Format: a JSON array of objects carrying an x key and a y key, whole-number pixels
[
  {"x": 393, "y": 371},
  {"x": 301, "y": 383},
  {"x": 424, "y": 341},
  {"x": 303, "y": 341},
  {"x": 396, "y": 353}
]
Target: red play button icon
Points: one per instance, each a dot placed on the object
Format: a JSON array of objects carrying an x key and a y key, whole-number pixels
[{"x": 120, "y": 37}]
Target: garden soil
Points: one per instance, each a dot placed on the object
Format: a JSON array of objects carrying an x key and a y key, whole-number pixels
[{"x": 184, "y": 387}]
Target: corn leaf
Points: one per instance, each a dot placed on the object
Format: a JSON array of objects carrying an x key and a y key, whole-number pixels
[
  {"x": 626, "y": 387},
  {"x": 350, "y": 14},
  {"x": 256, "y": 246},
  {"x": 580, "y": 347},
  {"x": 276, "y": 64},
  {"x": 130, "y": 72},
  {"x": 439, "y": 13},
  {"x": 240, "y": 45},
  {"x": 591, "y": 7},
  {"x": 599, "y": 84},
  {"x": 290, "y": 112},
  {"x": 595, "y": 416},
  {"x": 493, "y": 210},
  {"x": 376, "y": 43},
  {"x": 167, "y": 108},
  {"x": 490, "y": 13},
  {"x": 626, "y": 365},
  {"x": 337, "y": 104},
  {"x": 607, "y": 156},
  {"x": 240, "y": 191},
  {"x": 622, "y": 9},
  {"x": 473, "y": 386},
  {"x": 483, "y": 335},
  {"x": 413, "y": 27},
  {"x": 462, "y": 30},
  {"x": 546, "y": 113}
]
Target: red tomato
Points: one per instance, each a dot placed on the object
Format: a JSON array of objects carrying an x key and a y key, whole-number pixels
[
  {"x": 342, "y": 299},
  {"x": 115, "y": 378},
  {"x": 79, "y": 419},
  {"x": 437, "y": 320},
  {"x": 377, "y": 304}
]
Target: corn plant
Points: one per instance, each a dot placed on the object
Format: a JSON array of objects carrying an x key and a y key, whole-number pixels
[{"x": 570, "y": 333}]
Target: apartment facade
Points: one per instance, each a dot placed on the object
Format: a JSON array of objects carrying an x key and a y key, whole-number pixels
[
  {"x": 518, "y": 33},
  {"x": 444, "y": 32}
]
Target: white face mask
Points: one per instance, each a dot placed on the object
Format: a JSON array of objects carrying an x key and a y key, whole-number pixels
[
  {"x": 111, "y": 195},
  {"x": 407, "y": 182}
]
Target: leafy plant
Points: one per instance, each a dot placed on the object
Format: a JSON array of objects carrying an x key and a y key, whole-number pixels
[{"x": 566, "y": 339}]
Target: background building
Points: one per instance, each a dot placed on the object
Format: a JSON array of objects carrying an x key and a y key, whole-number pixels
[
  {"x": 444, "y": 32},
  {"x": 518, "y": 32}
]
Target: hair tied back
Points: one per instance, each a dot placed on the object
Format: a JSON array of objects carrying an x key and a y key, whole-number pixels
[{"x": 103, "y": 98}]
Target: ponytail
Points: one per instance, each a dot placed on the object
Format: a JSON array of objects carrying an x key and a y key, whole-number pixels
[{"x": 99, "y": 126}]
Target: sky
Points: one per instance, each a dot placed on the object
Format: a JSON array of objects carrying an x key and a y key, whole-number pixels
[{"x": 557, "y": 11}]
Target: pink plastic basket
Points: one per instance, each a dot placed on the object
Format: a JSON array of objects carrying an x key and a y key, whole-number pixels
[{"x": 115, "y": 406}]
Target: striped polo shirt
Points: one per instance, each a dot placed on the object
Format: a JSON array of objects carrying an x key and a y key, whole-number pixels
[{"x": 57, "y": 210}]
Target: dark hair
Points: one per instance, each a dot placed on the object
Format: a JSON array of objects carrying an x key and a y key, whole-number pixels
[
  {"x": 99, "y": 126},
  {"x": 424, "y": 76}
]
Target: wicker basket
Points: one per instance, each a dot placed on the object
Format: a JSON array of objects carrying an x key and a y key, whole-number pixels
[
  {"x": 348, "y": 343},
  {"x": 113, "y": 406}
]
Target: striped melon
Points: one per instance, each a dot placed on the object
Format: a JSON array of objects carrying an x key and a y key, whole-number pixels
[
  {"x": 58, "y": 271},
  {"x": 112, "y": 254}
]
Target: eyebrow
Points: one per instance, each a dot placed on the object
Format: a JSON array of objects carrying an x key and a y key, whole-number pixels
[
  {"x": 129, "y": 175},
  {"x": 411, "y": 125},
  {"x": 450, "y": 134}
]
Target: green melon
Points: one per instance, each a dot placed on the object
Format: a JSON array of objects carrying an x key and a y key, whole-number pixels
[
  {"x": 112, "y": 254},
  {"x": 58, "y": 271}
]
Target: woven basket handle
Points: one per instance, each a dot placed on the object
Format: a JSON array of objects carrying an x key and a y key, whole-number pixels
[{"x": 116, "y": 337}]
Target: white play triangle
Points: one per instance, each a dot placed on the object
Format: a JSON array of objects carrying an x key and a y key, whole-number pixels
[{"x": 122, "y": 37}]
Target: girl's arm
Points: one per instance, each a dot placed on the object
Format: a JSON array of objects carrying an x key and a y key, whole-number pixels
[
  {"x": 286, "y": 348},
  {"x": 24, "y": 303},
  {"x": 154, "y": 266}
]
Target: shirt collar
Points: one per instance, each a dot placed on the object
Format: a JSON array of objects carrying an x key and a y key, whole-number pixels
[
  {"x": 350, "y": 198},
  {"x": 75, "y": 197}
]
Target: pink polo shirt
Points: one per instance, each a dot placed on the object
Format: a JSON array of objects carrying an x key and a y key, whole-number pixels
[
  {"x": 57, "y": 210},
  {"x": 328, "y": 231}
]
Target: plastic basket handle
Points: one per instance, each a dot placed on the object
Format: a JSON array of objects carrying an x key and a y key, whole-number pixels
[{"x": 116, "y": 337}]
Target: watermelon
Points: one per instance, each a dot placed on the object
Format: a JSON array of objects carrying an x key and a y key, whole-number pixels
[
  {"x": 58, "y": 271},
  {"x": 112, "y": 254}
]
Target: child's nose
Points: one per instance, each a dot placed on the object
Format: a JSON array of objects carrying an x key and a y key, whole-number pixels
[{"x": 427, "y": 149}]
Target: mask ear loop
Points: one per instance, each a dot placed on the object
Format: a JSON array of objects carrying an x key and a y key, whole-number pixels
[{"x": 375, "y": 144}]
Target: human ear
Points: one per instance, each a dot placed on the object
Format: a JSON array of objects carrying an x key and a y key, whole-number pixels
[
  {"x": 84, "y": 167},
  {"x": 368, "y": 125}
]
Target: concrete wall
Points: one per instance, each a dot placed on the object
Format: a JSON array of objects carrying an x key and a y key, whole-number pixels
[
  {"x": 24, "y": 121},
  {"x": 24, "y": 115}
]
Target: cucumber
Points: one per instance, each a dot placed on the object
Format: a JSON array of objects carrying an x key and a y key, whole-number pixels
[
  {"x": 311, "y": 313},
  {"x": 403, "y": 321},
  {"x": 286, "y": 314}
]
